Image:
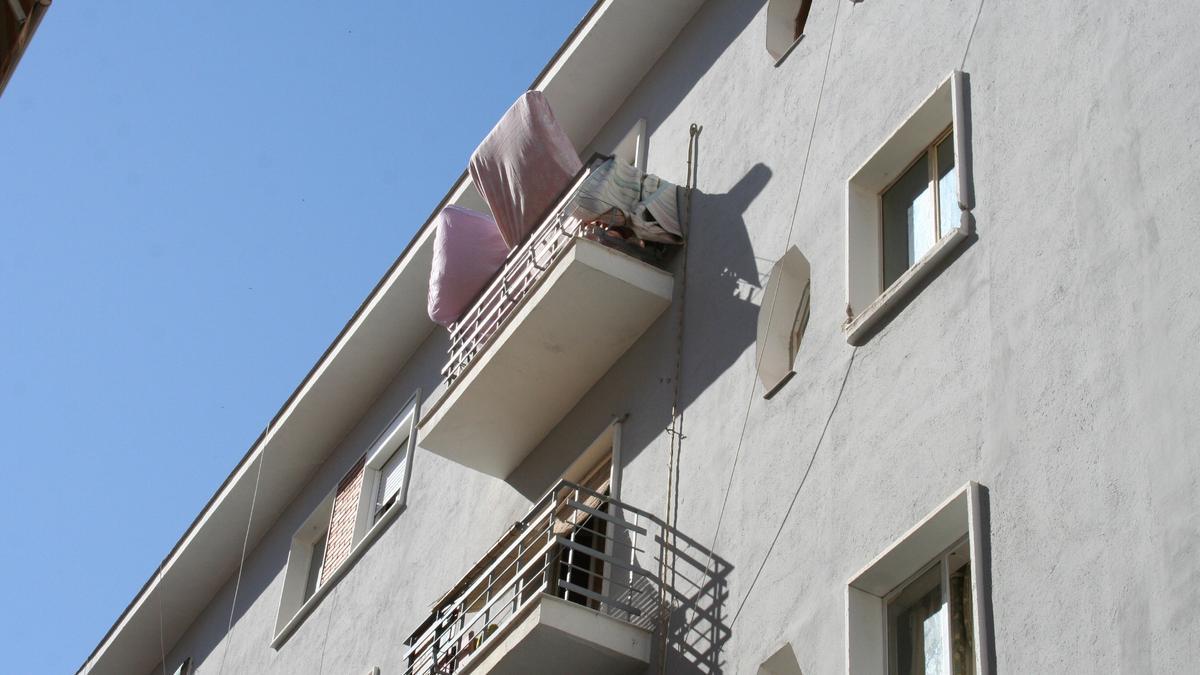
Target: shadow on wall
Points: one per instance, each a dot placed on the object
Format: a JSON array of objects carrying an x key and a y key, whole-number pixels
[
  {"x": 697, "y": 48},
  {"x": 723, "y": 283},
  {"x": 698, "y": 588},
  {"x": 722, "y": 315}
]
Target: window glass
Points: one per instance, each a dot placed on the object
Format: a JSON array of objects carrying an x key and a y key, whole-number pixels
[
  {"x": 391, "y": 479},
  {"x": 917, "y": 624},
  {"x": 948, "y": 211},
  {"x": 801, "y": 19},
  {"x": 930, "y": 621},
  {"x": 908, "y": 221},
  {"x": 314, "y": 566}
]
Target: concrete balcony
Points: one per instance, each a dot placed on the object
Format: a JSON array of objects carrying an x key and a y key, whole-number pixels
[
  {"x": 558, "y": 636},
  {"x": 571, "y": 589},
  {"x": 560, "y": 313}
]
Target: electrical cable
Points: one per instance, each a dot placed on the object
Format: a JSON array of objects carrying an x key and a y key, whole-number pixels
[
  {"x": 771, "y": 310},
  {"x": 796, "y": 495},
  {"x": 978, "y": 12},
  {"x": 162, "y": 649},
  {"x": 262, "y": 459},
  {"x": 849, "y": 364}
]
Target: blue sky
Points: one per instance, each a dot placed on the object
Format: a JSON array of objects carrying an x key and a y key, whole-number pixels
[{"x": 197, "y": 196}]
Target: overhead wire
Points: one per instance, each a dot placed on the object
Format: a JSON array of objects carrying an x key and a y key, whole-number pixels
[
  {"x": 775, "y": 298},
  {"x": 971, "y": 37},
  {"x": 849, "y": 364},
  {"x": 162, "y": 648},
  {"x": 675, "y": 430},
  {"x": 812, "y": 458},
  {"x": 262, "y": 459}
]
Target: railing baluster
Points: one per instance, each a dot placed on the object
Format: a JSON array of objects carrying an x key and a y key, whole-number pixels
[
  {"x": 520, "y": 579},
  {"x": 519, "y": 273},
  {"x": 592, "y": 572}
]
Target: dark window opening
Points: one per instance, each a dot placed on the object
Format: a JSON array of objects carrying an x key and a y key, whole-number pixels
[{"x": 801, "y": 19}]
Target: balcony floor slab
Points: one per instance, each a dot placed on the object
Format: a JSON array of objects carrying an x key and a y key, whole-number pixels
[
  {"x": 589, "y": 309},
  {"x": 560, "y": 637}
]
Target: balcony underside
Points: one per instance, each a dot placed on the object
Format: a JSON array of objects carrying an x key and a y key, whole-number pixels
[
  {"x": 587, "y": 311},
  {"x": 561, "y": 637}
]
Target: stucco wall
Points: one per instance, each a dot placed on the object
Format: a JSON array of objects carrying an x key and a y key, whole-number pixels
[{"x": 1053, "y": 359}]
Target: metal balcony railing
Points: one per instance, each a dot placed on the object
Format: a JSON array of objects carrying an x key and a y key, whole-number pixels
[
  {"x": 575, "y": 544},
  {"x": 525, "y": 266}
]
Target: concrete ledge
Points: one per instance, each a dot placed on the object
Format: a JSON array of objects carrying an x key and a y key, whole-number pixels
[{"x": 560, "y": 637}]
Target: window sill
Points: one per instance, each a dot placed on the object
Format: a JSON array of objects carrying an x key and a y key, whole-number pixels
[
  {"x": 867, "y": 319},
  {"x": 357, "y": 552},
  {"x": 788, "y": 52}
]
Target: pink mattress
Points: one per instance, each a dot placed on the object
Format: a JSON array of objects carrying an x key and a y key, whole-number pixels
[
  {"x": 467, "y": 251},
  {"x": 523, "y": 165}
]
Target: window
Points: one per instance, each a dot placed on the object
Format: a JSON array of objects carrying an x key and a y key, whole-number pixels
[
  {"x": 782, "y": 320},
  {"x": 632, "y": 148},
  {"x": 583, "y": 576},
  {"x": 916, "y": 610},
  {"x": 316, "y": 565},
  {"x": 907, "y": 207},
  {"x": 388, "y": 465},
  {"x": 929, "y": 619},
  {"x": 348, "y": 519},
  {"x": 919, "y": 208},
  {"x": 785, "y": 26},
  {"x": 306, "y": 561},
  {"x": 391, "y": 474}
]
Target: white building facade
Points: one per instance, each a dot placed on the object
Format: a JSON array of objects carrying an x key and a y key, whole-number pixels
[{"x": 914, "y": 396}]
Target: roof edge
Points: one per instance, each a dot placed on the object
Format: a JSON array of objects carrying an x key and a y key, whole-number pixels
[{"x": 256, "y": 446}]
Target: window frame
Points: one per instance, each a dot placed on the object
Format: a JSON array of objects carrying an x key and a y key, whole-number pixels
[
  {"x": 869, "y": 592},
  {"x": 631, "y": 149},
  {"x": 293, "y": 604},
  {"x": 941, "y": 560},
  {"x": 784, "y": 28},
  {"x": 316, "y": 565},
  {"x": 868, "y": 301},
  {"x": 366, "y": 530},
  {"x": 783, "y": 316},
  {"x": 929, "y": 155},
  {"x": 399, "y": 436}
]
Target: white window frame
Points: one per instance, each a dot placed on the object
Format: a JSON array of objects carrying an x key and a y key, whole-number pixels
[
  {"x": 299, "y": 562},
  {"x": 782, "y": 320},
  {"x": 868, "y": 592},
  {"x": 781, "y": 36},
  {"x": 632, "y": 148},
  {"x": 866, "y": 298},
  {"x": 399, "y": 436},
  {"x": 608, "y": 442}
]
